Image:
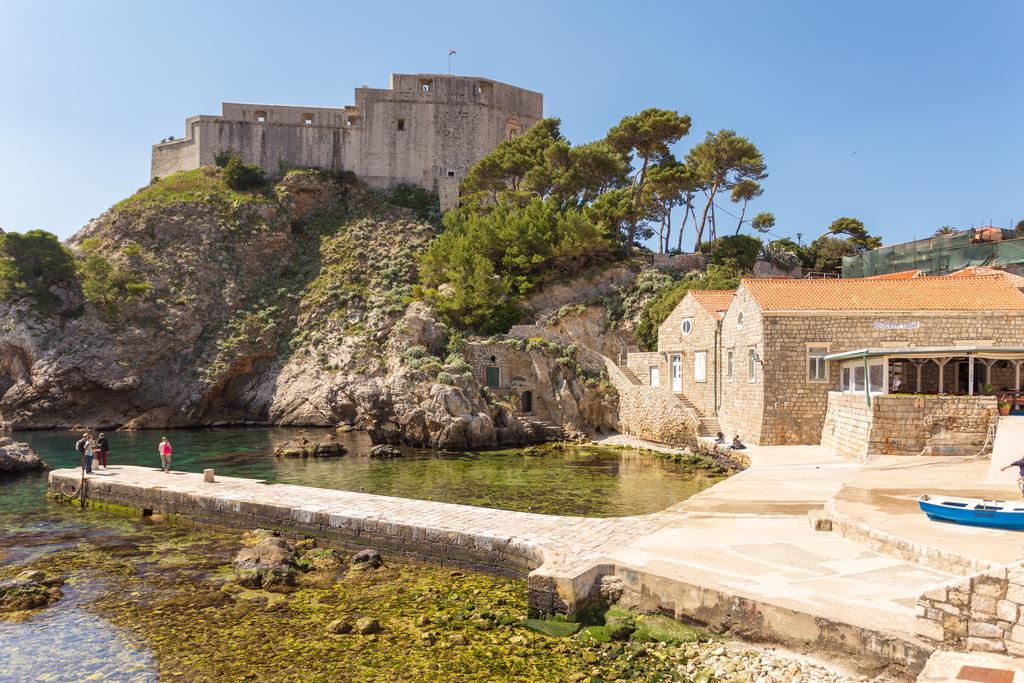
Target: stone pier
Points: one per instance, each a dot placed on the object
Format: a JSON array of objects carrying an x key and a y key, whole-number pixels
[{"x": 739, "y": 557}]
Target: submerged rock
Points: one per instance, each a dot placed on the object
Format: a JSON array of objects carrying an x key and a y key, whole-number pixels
[
  {"x": 306, "y": 448},
  {"x": 28, "y": 590},
  {"x": 384, "y": 451},
  {"x": 16, "y": 456},
  {"x": 368, "y": 558}
]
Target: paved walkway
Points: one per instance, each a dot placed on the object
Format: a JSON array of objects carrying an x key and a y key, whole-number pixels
[{"x": 747, "y": 538}]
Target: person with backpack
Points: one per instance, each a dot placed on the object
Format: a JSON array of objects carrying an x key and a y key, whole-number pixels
[
  {"x": 102, "y": 447},
  {"x": 84, "y": 453}
]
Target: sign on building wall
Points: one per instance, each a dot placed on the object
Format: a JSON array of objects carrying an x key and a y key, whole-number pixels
[{"x": 890, "y": 325}]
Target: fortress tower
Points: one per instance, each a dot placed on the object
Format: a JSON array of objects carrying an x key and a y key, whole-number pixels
[{"x": 424, "y": 129}]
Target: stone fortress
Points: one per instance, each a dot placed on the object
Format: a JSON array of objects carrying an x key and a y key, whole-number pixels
[{"x": 423, "y": 129}]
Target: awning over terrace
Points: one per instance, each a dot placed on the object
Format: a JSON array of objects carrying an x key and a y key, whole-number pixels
[{"x": 868, "y": 370}]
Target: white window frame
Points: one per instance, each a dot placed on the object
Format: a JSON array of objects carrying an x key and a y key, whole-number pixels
[
  {"x": 739, "y": 320},
  {"x": 700, "y": 362},
  {"x": 686, "y": 327},
  {"x": 820, "y": 351},
  {"x": 730, "y": 365},
  {"x": 654, "y": 375},
  {"x": 856, "y": 367},
  {"x": 752, "y": 364}
]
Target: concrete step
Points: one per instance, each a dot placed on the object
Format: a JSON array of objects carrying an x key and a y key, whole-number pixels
[{"x": 709, "y": 426}]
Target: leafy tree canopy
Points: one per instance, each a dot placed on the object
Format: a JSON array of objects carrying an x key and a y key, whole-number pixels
[
  {"x": 741, "y": 250},
  {"x": 32, "y": 262},
  {"x": 763, "y": 222},
  {"x": 859, "y": 237}
]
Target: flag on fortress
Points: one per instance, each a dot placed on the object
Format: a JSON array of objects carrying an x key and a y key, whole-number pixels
[{"x": 451, "y": 51}]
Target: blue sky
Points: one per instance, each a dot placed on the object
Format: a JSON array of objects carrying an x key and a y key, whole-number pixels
[{"x": 907, "y": 115}]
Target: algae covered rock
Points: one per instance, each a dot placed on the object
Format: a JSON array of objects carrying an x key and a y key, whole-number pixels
[
  {"x": 269, "y": 561},
  {"x": 368, "y": 558},
  {"x": 339, "y": 627},
  {"x": 17, "y": 457},
  {"x": 384, "y": 451},
  {"x": 308, "y": 448},
  {"x": 367, "y": 625},
  {"x": 28, "y": 590}
]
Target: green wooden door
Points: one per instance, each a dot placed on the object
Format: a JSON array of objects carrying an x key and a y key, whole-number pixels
[{"x": 493, "y": 377}]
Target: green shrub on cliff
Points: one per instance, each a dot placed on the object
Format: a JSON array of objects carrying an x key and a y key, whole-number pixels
[
  {"x": 241, "y": 176},
  {"x": 107, "y": 284},
  {"x": 203, "y": 185},
  {"x": 31, "y": 262},
  {"x": 483, "y": 264},
  {"x": 655, "y": 312}
]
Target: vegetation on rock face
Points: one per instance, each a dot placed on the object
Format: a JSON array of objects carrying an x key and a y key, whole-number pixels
[
  {"x": 655, "y": 312},
  {"x": 107, "y": 284},
  {"x": 33, "y": 262},
  {"x": 201, "y": 185}
]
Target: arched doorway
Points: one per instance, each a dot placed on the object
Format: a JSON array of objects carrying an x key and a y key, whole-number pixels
[{"x": 526, "y": 402}]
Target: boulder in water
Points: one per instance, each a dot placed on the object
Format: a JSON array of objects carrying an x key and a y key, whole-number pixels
[
  {"x": 368, "y": 558},
  {"x": 269, "y": 561},
  {"x": 385, "y": 451},
  {"x": 307, "y": 448},
  {"x": 28, "y": 590},
  {"x": 16, "y": 456}
]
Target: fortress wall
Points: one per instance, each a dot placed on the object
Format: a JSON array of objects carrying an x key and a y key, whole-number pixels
[
  {"x": 267, "y": 144},
  {"x": 426, "y": 136},
  {"x": 170, "y": 157}
]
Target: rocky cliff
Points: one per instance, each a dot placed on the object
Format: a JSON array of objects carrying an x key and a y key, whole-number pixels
[{"x": 200, "y": 305}]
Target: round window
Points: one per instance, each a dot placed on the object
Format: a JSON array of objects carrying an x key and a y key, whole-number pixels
[
  {"x": 739, "y": 319},
  {"x": 687, "y": 326}
]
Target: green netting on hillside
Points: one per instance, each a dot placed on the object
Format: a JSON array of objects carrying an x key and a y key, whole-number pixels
[{"x": 936, "y": 256}]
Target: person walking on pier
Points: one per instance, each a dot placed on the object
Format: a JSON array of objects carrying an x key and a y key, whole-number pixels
[
  {"x": 165, "y": 454},
  {"x": 102, "y": 447}
]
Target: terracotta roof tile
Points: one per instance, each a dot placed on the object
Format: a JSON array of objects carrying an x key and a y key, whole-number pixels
[
  {"x": 973, "y": 271},
  {"x": 900, "y": 275},
  {"x": 714, "y": 301},
  {"x": 929, "y": 293}
]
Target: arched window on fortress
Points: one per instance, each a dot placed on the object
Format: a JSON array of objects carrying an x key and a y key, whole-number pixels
[
  {"x": 426, "y": 84},
  {"x": 513, "y": 128},
  {"x": 261, "y": 116},
  {"x": 307, "y": 119},
  {"x": 351, "y": 121}
]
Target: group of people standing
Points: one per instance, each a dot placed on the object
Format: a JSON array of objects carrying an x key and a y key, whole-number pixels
[{"x": 89, "y": 448}]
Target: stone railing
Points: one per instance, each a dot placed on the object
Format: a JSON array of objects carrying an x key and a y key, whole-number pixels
[
  {"x": 949, "y": 425},
  {"x": 983, "y": 612},
  {"x": 652, "y": 413}
]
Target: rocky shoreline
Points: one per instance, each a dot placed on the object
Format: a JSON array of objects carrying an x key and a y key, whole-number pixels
[{"x": 17, "y": 457}]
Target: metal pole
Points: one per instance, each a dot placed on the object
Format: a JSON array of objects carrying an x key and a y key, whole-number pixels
[
  {"x": 867, "y": 381},
  {"x": 970, "y": 375}
]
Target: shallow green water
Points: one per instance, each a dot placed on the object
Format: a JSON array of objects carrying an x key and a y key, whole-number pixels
[{"x": 572, "y": 481}]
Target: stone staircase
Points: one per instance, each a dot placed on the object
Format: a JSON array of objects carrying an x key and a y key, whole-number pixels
[
  {"x": 709, "y": 426},
  {"x": 552, "y": 431},
  {"x": 630, "y": 375}
]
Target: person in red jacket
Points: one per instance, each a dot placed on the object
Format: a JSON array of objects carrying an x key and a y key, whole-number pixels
[{"x": 165, "y": 454}]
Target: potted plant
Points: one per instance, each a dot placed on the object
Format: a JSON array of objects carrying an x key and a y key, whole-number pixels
[
  {"x": 1004, "y": 405},
  {"x": 988, "y": 388}
]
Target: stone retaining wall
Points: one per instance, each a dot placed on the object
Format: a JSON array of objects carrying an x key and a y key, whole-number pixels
[
  {"x": 983, "y": 612},
  {"x": 943, "y": 425},
  {"x": 652, "y": 413},
  {"x": 640, "y": 365},
  {"x": 493, "y": 554}
]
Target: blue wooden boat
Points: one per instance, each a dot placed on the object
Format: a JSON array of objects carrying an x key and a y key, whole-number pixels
[{"x": 996, "y": 514}]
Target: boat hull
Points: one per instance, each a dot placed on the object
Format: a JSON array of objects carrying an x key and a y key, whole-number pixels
[{"x": 988, "y": 514}]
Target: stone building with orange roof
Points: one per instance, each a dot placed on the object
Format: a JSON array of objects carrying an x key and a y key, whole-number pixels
[{"x": 880, "y": 365}]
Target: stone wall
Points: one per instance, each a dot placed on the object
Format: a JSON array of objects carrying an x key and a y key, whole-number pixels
[
  {"x": 983, "y": 612},
  {"x": 742, "y": 407},
  {"x": 701, "y": 339},
  {"x": 652, "y": 414},
  {"x": 795, "y": 407},
  {"x": 553, "y": 296},
  {"x": 424, "y": 129},
  {"x": 938, "y": 425},
  {"x": 640, "y": 364},
  {"x": 681, "y": 262},
  {"x": 847, "y": 428}
]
